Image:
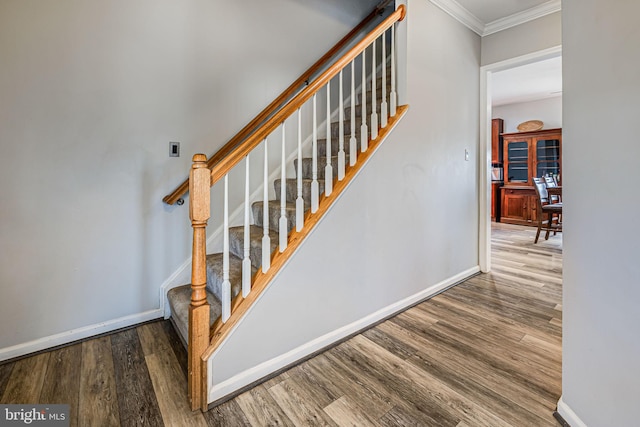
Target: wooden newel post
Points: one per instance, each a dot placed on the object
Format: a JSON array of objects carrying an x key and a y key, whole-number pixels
[{"x": 199, "y": 211}]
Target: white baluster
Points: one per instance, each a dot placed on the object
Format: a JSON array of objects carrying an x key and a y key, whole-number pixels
[
  {"x": 315, "y": 187},
  {"x": 364, "y": 131},
  {"x": 246, "y": 261},
  {"x": 226, "y": 284},
  {"x": 374, "y": 100},
  {"x": 328, "y": 169},
  {"x": 393, "y": 96},
  {"x": 283, "y": 226},
  {"x": 341, "y": 155},
  {"x": 299, "y": 199},
  {"x": 353, "y": 143},
  {"x": 383, "y": 105},
  {"x": 266, "y": 240}
]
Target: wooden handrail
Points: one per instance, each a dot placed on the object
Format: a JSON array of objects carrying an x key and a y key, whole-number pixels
[
  {"x": 183, "y": 188},
  {"x": 234, "y": 157}
]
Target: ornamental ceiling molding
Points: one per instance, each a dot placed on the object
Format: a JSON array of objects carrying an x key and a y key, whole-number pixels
[{"x": 462, "y": 15}]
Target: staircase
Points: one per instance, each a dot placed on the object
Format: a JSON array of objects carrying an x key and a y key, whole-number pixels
[
  {"x": 225, "y": 285},
  {"x": 180, "y": 297}
]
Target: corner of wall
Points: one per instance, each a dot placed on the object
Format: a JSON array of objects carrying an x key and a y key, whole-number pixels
[{"x": 569, "y": 415}]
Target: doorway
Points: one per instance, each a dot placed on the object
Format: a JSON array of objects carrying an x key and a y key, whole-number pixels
[{"x": 486, "y": 91}]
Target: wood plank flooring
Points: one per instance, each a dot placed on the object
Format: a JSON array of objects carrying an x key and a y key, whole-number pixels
[{"x": 484, "y": 353}]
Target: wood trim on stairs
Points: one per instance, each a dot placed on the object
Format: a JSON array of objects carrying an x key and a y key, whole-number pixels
[{"x": 240, "y": 306}]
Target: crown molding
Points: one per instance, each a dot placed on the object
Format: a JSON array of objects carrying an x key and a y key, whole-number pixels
[
  {"x": 462, "y": 15},
  {"x": 521, "y": 17}
]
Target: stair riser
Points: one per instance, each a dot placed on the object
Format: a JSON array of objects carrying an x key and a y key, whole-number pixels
[
  {"x": 292, "y": 190},
  {"x": 179, "y": 301},
  {"x": 307, "y": 164},
  {"x": 215, "y": 275},
  {"x": 335, "y": 130},
  {"x": 358, "y": 109},
  {"x": 379, "y": 79},
  {"x": 379, "y": 83},
  {"x": 236, "y": 243},
  {"x": 347, "y": 83},
  {"x": 274, "y": 215},
  {"x": 335, "y": 145},
  {"x": 378, "y": 99}
]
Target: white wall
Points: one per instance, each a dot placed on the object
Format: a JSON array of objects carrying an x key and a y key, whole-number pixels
[
  {"x": 539, "y": 34},
  {"x": 91, "y": 93},
  {"x": 549, "y": 110},
  {"x": 408, "y": 223},
  {"x": 601, "y": 283}
]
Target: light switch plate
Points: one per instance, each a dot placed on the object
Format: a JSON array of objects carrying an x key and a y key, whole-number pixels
[{"x": 174, "y": 149}]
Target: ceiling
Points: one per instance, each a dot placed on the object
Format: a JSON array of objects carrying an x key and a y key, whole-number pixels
[
  {"x": 538, "y": 80},
  {"x": 490, "y": 16},
  {"x": 489, "y": 11},
  {"x": 526, "y": 83}
]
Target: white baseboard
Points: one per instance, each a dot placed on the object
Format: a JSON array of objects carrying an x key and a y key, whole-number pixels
[
  {"x": 77, "y": 334},
  {"x": 568, "y": 414},
  {"x": 235, "y": 383}
]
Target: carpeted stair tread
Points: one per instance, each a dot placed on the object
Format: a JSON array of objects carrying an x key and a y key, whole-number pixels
[
  {"x": 335, "y": 130},
  {"x": 236, "y": 243},
  {"x": 179, "y": 302},
  {"x": 215, "y": 274},
  {"x": 307, "y": 167},
  {"x": 358, "y": 109},
  {"x": 274, "y": 215},
  {"x": 379, "y": 82},
  {"x": 378, "y": 99},
  {"x": 292, "y": 190},
  {"x": 335, "y": 145}
]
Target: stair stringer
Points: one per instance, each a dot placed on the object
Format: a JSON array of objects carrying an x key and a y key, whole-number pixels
[{"x": 219, "y": 387}]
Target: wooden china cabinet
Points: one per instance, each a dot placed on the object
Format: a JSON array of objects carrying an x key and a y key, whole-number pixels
[{"x": 527, "y": 155}]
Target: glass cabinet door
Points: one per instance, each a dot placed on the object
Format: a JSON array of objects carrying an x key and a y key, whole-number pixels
[
  {"x": 547, "y": 157},
  {"x": 518, "y": 157}
]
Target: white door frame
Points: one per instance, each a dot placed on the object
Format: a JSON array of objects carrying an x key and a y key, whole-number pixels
[{"x": 484, "y": 241}]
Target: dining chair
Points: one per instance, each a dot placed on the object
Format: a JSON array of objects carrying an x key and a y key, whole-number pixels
[
  {"x": 546, "y": 210},
  {"x": 551, "y": 182},
  {"x": 554, "y": 196}
]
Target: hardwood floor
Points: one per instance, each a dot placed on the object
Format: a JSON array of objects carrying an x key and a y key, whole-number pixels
[{"x": 484, "y": 353}]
